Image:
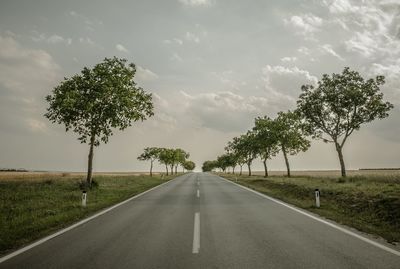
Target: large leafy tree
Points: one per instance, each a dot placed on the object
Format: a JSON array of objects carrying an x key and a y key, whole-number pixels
[
  {"x": 339, "y": 105},
  {"x": 209, "y": 166},
  {"x": 225, "y": 160},
  {"x": 150, "y": 154},
  {"x": 245, "y": 147},
  {"x": 289, "y": 132},
  {"x": 189, "y": 165},
  {"x": 266, "y": 139},
  {"x": 180, "y": 158},
  {"x": 166, "y": 157},
  {"x": 98, "y": 100}
]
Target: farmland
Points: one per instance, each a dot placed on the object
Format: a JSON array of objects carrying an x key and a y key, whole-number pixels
[
  {"x": 34, "y": 204},
  {"x": 366, "y": 200}
]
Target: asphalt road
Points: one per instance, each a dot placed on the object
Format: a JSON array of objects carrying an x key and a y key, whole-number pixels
[{"x": 201, "y": 221}]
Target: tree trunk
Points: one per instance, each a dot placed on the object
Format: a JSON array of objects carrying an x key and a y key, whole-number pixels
[
  {"x": 249, "y": 167},
  {"x": 176, "y": 169},
  {"x": 265, "y": 167},
  {"x": 166, "y": 168},
  {"x": 286, "y": 161},
  {"x": 241, "y": 170},
  {"x": 233, "y": 170},
  {"x": 90, "y": 162},
  {"x": 341, "y": 160},
  {"x": 151, "y": 168},
  {"x": 172, "y": 169}
]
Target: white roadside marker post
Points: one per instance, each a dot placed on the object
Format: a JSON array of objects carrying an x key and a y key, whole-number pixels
[
  {"x": 317, "y": 194},
  {"x": 84, "y": 196}
]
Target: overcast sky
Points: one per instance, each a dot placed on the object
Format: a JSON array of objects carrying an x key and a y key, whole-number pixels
[{"x": 212, "y": 66}]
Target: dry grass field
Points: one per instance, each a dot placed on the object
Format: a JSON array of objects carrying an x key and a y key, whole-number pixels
[
  {"x": 332, "y": 173},
  {"x": 49, "y": 175},
  {"x": 368, "y": 200},
  {"x": 34, "y": 204}
]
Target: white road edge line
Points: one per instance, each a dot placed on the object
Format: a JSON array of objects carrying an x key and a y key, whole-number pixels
[
  {"x": 198, "y": 193},
  {"x": 196, "y": 234},
  {"x": 47, "y": 238},
  {"x": 369, "y": 241}
]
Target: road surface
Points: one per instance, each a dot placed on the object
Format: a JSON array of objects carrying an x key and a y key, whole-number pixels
[{"x": 202, "y": 221}]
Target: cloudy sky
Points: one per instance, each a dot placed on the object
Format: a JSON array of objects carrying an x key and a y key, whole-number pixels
[{"x": 212, "y": 66}]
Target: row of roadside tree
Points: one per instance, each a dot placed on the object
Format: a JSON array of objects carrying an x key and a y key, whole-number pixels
[
  {"x": 330, "y": 111},
  {"x": 171, "y": 158}
]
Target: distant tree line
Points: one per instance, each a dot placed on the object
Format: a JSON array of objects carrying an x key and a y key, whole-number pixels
[
  {"x": 331, "y": 111},
  {"x": 171, "y": 158}
]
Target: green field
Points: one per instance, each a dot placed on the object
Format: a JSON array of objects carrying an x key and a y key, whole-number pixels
[
  {"x": 369, "y": 203},
  {"x": 31, "y": 208}
]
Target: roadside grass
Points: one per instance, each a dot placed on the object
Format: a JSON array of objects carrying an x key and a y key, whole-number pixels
[
  {"x": 31, "y": 209},
  {"x": 367, "y": 203}
]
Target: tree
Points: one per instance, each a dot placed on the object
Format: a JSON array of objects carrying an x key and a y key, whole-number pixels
[
  {"x": 181, "y": 157},
  {"x": 166, "y": 157},
  {"x": 240, "y": 161},
  {"x": 224, "y": 161},
  {"x": 266, "y": 140},
  {"x": 189, "y": 165},
  {"x": 289, "y": 132},
  {"x": 209, "y": 166},
  {"x": 150, "y": 154},
  {"x": 339, "y": 105},
  {"x": 245, "y": 147},
  {"x": 98, "y": 100}
]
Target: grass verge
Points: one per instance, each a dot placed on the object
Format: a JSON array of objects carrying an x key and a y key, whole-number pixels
[
  {"x": 368, "y": 203},
  {"x": 31, "y": 209}
]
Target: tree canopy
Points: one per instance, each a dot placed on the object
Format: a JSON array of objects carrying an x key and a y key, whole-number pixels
[
  {"x": 339, "y": 105},
  {"x": 99, "y": 100}
]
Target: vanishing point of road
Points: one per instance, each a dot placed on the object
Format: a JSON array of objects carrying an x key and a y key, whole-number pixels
[{"x": 199, "y": 220}]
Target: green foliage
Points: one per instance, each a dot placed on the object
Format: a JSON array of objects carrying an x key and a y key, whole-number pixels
[
  {"x": 209, "y": 166},
  {"x": 189, "y": 165},
  {"x": 171, "y": 157},
  {"x": 98, "y": 100},
  {"x": 226, "y": 160},
  {"x": 266, "y": 137},
  {"x": 245, "y": 146},
  {"x": 149, "y": 154},
  {"x": 339, "y": 105},
  {"x": 288, "y": 130}
]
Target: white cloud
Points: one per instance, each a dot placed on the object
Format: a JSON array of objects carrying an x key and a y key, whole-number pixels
[
  {"x": 288, "y": 59},
  {"x": 192, "y": 37},
  {"x": 306, "y": 24},
  {"x": 374, "y": 25},
  {"x": 121, "y": 48},
  {"x": 144, "y": 74},
  {"x": 224, "y": 111},
  {"x": 282, "y": 84},
  {"x": 36, "y": 125},
  {"x": 26, "y": 75},
  {"x": 87, "y": 40},
  {"x": 328, "y": 49},
  {"x": 342, "y": 6},
  {"x": 89, "y": 23},
  {"x": 53, "y": 39},
  {"x": 304, "y": 50},
  {"x": 291, "y": 71},
  {"x": 390, "y": 70},
  {"x": 197, "y": 3},
  {"x": 176, "y": 57},
  {"x": 178, "y": 41},
  {"x": 174, "y": 40}
]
